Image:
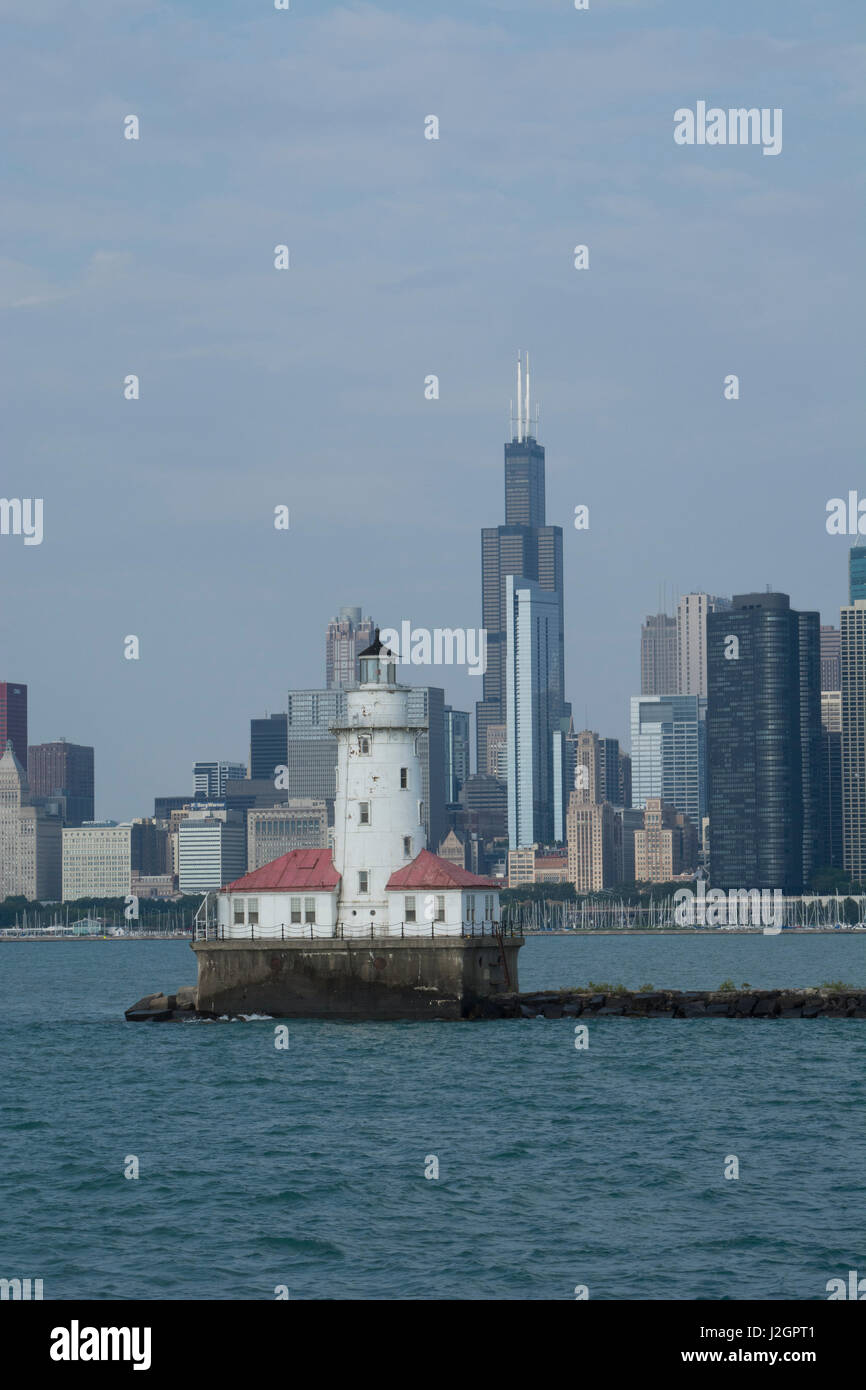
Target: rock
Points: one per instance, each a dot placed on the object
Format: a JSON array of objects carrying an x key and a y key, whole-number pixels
[
  {"x": 186, "y": 997},
  {"x": 553, "y": 1011},
  {"x": 766, "y": 1007}
]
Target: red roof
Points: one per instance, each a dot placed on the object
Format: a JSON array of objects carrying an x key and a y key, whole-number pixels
[
  {"x": 429, "y": 871},
  {"x": 300, "y": 868}
]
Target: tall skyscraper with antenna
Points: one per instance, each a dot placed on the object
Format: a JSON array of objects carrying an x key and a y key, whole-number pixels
[{"x": 528, "y": 549}]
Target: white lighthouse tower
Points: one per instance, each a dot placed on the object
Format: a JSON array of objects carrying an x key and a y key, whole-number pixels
[{"x": 378, "y": 811}]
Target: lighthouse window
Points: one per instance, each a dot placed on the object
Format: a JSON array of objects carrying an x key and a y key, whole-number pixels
[
  {"x": 363, "y": 744},
  {"x": 440, "y": 908},
  {"x": 488, "y": 906},
  {"x": 239, "y": 911},
  {"x": 409, "y": 909},
  {"x": 253, "y": 912},
  {"x": 364, "y": 812},
  {"x": 309, "y": 909},
  {"x": 407, "y": 846},
  {"x": 296, "y": 910},
  {"x": 404, "y": 777},
  {"x": 363, "y": 881},
  {"x": 470, "y": 907}
]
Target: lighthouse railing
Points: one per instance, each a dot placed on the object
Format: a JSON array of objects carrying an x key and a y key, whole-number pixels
[{"x": 211, "y": 930}]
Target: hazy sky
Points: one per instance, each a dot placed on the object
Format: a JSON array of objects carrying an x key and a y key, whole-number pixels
[{"x": 408, "y": 257}]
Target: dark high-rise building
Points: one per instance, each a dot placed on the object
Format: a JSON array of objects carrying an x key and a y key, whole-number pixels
[
  {"x": 346, "y": 637},
  {"x": 624, "y": 780},
  {"x": 853, "y": 726},
  {"x": 857, "y": 573},
  {"x": 63, "y": 772},
  {"x": 528, "y": 549},
  {"x": 456, "y": 752},
  {"x": 767, "y": 826},
  {"x": 831, "y": 670},
  {"x": 610, "y": 784},
  {"x": 164, "y": 805},
  {"x": 268, "y": 746},
  {"x": 13, "y": 719},
  {"x": 659, "y": 656}
]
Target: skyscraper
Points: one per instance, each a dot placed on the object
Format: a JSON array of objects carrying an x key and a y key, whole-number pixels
[
  {"x": 533, "y": 708},
  {"x": 209, "y": 779},
  {"x": 831, "y": 774},
  {"x": 526, "y": 548},
  {"x": 346, "y": 637},
  {"x": 13, "y": 719},
  {"x": 311, "y": 748},
  {"x": 857, "y": 573},
  {"x": 658, "y": 655},
  {"x": 669, "y": 752},
  {"x": 268, "y": 746},
  {"x": 63, "y": 772},
  {"x": 456, "y": 752},
  {"x": 831, "y": 678},
  {"x": 853, "y": 624},
  {"x": 692, "y": 611},
  {"x": 30, "y": 839},
  {"x": 426, "y": 708},
  {"x": 764, "y": 744}
]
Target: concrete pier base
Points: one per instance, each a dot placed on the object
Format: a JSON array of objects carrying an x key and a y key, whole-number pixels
[{"x": 379, "y": 978}]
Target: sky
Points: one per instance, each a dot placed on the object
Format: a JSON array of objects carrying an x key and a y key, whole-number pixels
[{"x": 409, "y": 257}]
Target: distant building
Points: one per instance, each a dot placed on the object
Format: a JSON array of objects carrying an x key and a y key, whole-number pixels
[
  {"x": 692, "y": 611},
  {"x": 453, "y": 849},
  {"x": 658, "y": 655},
  {"x": 268, "y": 746},
  {"x": 631, "y": 821},
  {"x": 346, "y": 637},
  {"x": 212, "y": 850},
  {"x": 669, "y": 752},
  {"x": 667, "y": 846},
  {"x": 311, "y": 748},
  {"x": 101, "y": 859},
  {"x": 831, "y": 670},
  {"x": 831, "y": 775},
  {"x": 485, "y": 803},
  {"x": 497, "y": 752},
  {"x": 764, "y": 745},
  {"x": 273, "y": 832},
  {"x": 63, "y": 771},
  {"x": 525, "y": 550},
  {"x": 244, "y": 793},
  {"x": 456, "y": 737},
  {"x": 534, "y": 707},
  {"x": 164, "y": 805},
  {"x": 30, "y": 838},
  {"x": 209, "y": 779},
  {"x": 426, "y": 705},
  {"x": 588, "y": 766},
  {"x": 13, "y": 718},
  {"x": 625, "y": 785},
  {"x": 853, "y": 736},
  {"x": 594, "y": 845},
  {"x": 533, "y": 864},
  {"x": 857, "y": 573}
]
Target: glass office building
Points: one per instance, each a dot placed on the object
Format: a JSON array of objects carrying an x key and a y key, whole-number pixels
[
  {"x": 533, "y": 705},
  {"x": 669, "y": 752}
]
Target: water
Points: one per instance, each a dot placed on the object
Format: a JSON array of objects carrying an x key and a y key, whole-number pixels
[{"x": 305, "y": 1168}]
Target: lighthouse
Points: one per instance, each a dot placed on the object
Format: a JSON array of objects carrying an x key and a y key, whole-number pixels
[
  {"x": 378, "y": 809},
  {"x": 378, "y": 927}
]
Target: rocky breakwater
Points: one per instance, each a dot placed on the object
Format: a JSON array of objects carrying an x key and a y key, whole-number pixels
[
  {"x": 163, "y": 1008},
  {"x": 671, "y": 1003}
]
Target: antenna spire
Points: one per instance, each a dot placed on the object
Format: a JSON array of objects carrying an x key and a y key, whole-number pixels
[
  {"x": 528, "y": 416},
  {"x": 519, "y": 403}
]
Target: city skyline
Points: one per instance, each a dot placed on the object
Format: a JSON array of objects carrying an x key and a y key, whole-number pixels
[{"x": 306, "y": 388}]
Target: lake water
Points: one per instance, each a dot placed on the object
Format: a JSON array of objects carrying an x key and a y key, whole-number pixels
[{"x": 557, "y": 1167}]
